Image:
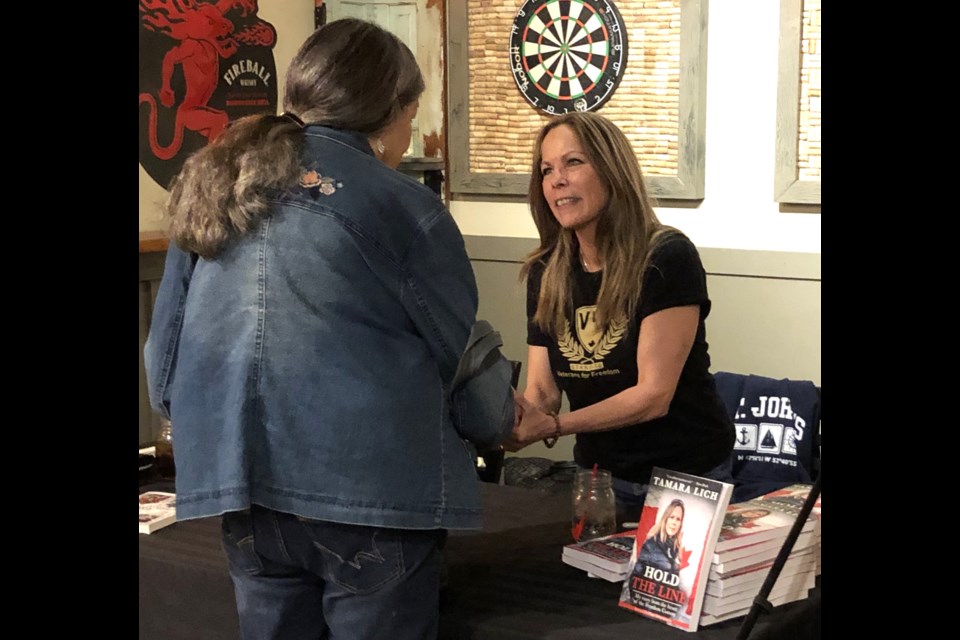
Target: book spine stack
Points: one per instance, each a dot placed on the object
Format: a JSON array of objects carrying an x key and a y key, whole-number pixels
[{"x": 738, "y": 572}]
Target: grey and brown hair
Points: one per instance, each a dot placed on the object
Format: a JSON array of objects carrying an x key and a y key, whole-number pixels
[{"x": 349, "y": 74}]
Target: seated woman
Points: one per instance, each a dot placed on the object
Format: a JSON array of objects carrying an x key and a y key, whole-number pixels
[{"x": 616, "y": 304}]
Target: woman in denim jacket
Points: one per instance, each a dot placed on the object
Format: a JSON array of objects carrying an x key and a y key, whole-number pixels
[{"x": 315, "y": 345}]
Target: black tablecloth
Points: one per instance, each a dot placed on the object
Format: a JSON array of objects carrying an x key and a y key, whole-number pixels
[{"x": 506, "y": 582}]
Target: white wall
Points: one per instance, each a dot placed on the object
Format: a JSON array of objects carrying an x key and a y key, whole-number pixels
[
  {"x": 738, "y": 210},
  {"x": 418, "y": 24}
]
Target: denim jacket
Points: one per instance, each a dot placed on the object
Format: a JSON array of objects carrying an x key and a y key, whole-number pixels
[{"x": 308, "y": 367}]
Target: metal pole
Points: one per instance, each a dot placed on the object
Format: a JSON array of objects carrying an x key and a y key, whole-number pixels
[{"x": 761, "y": 602}]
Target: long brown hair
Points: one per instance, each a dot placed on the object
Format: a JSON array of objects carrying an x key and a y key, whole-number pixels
[
  {"x": 627, "y": 230},
  {"x": 349, "y": 74}
]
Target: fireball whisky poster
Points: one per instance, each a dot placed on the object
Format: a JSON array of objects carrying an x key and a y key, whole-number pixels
[{"x": 203, "y": 63}]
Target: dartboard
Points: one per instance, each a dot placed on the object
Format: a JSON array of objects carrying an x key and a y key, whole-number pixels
[{"x": 568, "y": 54}]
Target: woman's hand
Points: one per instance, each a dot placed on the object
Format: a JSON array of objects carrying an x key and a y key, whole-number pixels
[
  {"x": 518, "y": 404},
  {"x": 534, "y": 424}
]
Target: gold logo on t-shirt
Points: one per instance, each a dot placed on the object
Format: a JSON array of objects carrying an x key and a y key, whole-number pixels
[
  {"x": 591, "y": 346},
  {"x": 588, "y": 333}
]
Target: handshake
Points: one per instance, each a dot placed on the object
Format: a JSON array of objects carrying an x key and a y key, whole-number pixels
[{"x": 531, "y": 424}]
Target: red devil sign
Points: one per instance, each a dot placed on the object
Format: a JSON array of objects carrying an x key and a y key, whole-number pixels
[{"x": 203, "y": 63}]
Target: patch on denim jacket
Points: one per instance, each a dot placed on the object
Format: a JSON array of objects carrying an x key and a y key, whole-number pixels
[{"x": 312, "y": 179}]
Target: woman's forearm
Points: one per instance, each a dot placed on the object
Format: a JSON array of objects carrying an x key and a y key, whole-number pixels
[{"x": 631, "y": 406}]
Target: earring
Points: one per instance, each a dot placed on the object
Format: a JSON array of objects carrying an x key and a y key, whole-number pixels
[{"x": 380, "y": 147}]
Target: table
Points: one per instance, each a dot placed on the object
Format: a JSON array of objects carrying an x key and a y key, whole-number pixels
[{"x": 506, "y": 582}]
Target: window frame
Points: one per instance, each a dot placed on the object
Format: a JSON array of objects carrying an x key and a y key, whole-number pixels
[{"x": 788, "y": 187}]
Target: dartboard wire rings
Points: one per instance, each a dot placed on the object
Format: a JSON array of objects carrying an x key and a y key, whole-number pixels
[{"x": 568, "y": 55}]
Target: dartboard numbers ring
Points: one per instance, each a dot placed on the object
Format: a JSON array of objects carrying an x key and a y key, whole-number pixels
[{"x": 568, "y": 55}]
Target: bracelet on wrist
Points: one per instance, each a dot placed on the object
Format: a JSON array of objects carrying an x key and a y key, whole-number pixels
[{"x": 552, "y": 440}]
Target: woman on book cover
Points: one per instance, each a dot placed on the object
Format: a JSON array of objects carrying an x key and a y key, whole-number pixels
[{"x": 662, "y": 547}]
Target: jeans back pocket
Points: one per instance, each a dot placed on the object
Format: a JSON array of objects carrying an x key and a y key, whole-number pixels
[
  {"x": 236, "y": 529},
  {"x": 358, "y": 559}
]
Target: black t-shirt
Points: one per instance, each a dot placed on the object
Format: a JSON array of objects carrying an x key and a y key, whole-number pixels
[{"x": 697, "y": 433}]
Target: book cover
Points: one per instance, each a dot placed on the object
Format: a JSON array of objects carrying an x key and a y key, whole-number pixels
[
  {"x": 675, "y": 541},
  {"x": 791, "y": 499},
  {"x": 757, "y": 520},
  {"x": 157, "y": 510},
  {"x": 607, "y": 557}
]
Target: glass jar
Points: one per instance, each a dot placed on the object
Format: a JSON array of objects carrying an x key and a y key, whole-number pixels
[
  {"x": 594, "y": 505},
  {"x": 164, "y": 451}
]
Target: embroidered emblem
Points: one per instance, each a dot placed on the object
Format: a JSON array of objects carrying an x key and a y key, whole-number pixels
[{"x": 311, "y": 179}]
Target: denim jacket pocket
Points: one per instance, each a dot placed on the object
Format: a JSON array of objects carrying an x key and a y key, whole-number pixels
[{"x": 358, "y": 559}]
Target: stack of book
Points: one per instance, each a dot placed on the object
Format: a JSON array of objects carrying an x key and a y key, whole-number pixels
[
  {"x": 607, "y": 557},
  {"x": 751, "y": 537},
  {"x": 158, "y": 509},
  {"x": 816, "y": 514}
]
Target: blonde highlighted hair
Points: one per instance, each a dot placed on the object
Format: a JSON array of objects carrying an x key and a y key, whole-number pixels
[
  {"x": 659, "y": 530},
  {"x": 627, "y": 230}
]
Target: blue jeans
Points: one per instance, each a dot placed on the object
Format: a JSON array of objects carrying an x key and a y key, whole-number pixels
[
  {"x": 295, "y": 578},
  {"x": 630, "y": 496}
]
